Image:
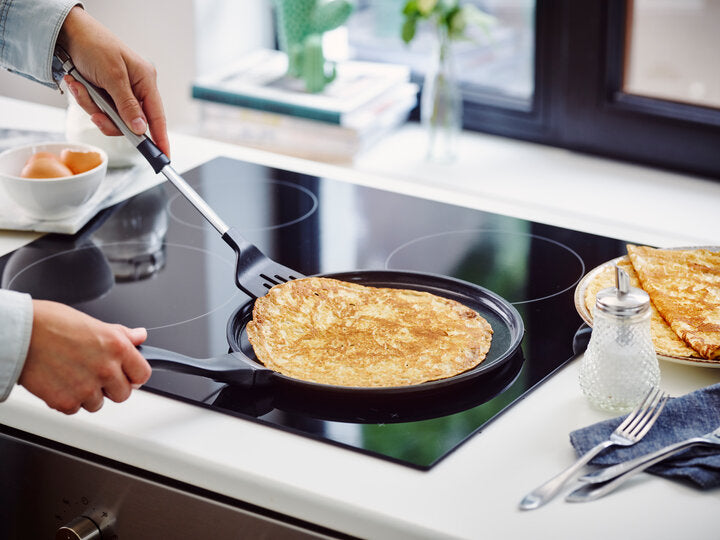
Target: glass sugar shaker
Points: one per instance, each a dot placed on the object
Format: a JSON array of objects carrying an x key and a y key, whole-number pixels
[{"x": 620, "y": 365}]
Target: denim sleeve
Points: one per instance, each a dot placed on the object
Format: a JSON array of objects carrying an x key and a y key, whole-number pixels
[
  {"x": 16, "y": 318},
  {"x": 28, "y": 31}
]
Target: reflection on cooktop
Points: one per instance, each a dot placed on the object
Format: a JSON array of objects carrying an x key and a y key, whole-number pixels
[
  {"x": 316, "y": 225},
  {"x": 133, "y": 237},
  {"x": 83, "y": 276}
]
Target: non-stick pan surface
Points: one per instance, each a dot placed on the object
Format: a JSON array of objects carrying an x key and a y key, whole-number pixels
[{"x": 241, "y": 367}]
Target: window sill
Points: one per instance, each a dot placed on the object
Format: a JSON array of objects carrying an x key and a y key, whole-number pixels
[{"x": 555, "y": 186}]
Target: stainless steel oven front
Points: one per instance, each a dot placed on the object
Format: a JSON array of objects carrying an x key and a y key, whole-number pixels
[{"x": 53, "y": 491}]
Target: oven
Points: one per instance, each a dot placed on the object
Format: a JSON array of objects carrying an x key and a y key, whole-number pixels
[{"x": 54, "y": 491}]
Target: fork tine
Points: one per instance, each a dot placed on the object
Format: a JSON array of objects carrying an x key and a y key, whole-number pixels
[
  {"x": 650, "y": 409},
  {"x": 658, "y": 409},
  {"x": 646, "y": 407},
  {"x": 647, "y": 412},
  {"x": 635, "y": 413}
]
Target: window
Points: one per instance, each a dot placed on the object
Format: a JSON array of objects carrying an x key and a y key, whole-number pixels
[
  {"x": 495, "y": 68},
  {"x": 661, "y": 62},
  {"x": 582, "y": 75}
]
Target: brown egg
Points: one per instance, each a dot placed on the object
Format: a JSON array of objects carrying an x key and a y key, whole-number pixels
[
  {"x": 37, "y": 155},
  {"x": 45, "y": 167},
  {"x": 78, "y": 161}
]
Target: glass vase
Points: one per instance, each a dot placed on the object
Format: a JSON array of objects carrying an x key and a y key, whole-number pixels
[{"x": 441, "y": 102}]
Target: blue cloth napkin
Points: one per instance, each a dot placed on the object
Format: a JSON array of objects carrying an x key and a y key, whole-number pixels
[{"x": 683, "y": 417}]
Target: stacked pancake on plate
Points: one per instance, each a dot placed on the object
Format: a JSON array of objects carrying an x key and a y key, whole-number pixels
[
  {"x": 339, "y": 333},
  {"x": 684, "y": 290}
]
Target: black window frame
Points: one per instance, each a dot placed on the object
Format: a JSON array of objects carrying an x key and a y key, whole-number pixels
[{"x": 578, "y": 102}]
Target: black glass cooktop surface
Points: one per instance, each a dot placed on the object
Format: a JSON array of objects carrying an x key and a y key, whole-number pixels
[{"x": 153, "y": 261}]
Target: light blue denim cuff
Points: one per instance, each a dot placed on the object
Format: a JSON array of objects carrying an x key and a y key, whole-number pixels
[
  {"x": 16, "y": 319},
  {"x": 28, "y": 32}
]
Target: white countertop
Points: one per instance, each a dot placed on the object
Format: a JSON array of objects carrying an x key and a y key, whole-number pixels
[{"x": 473, "y": 492}]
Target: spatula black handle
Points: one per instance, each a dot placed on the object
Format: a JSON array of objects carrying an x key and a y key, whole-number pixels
[{"x": 154, "y": 156}]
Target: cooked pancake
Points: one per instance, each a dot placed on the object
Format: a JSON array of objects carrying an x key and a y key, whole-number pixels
[
  {"x": 684, "y": 285},
  {"x": 334, "y": 332},
  {"x": 666, "y": 341}
]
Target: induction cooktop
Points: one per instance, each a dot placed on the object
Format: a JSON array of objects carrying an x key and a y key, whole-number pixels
[{"x": 153, "y": 261}]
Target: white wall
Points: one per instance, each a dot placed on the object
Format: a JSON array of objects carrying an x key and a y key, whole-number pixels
[{"x": 181, "y": 38}]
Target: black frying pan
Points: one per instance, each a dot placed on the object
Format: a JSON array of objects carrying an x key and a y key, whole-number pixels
[{"x": 241, "y": 368}]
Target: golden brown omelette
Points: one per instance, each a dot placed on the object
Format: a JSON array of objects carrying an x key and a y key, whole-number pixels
[
  {"x": 345, "y": 334},
  {"x": 684, "y": 285}
]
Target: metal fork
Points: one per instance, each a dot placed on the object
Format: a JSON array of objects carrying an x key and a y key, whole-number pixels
[
  {"x": 609, "y": 479},
  {"x": 630, "y": 431}
]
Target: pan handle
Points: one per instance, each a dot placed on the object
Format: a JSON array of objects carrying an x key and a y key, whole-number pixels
[{"x": 232, "y": 368}]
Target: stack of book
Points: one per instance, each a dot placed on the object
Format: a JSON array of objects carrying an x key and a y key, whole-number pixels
[{"x": 254, "y": 103}]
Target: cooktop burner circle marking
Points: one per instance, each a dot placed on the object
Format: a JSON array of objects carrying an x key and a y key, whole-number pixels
[
  {"x": 228, "y": 299},
  {"x": 232, "y": 296},
  {"x": 432, "y": 237},
  {"x": 202, "y": 223}
]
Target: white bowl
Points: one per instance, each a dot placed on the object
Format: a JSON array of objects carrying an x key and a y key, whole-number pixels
[{"x": 49, "y": 198}]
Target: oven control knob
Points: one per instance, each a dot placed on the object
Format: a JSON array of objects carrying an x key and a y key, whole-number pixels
[{"x": 80, "y": 528}]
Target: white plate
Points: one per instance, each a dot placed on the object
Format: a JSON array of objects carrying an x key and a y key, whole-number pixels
[{"x": 586, "y": 315}]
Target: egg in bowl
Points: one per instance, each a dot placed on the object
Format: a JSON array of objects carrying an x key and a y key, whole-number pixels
[{"x": 41, "y": 178}]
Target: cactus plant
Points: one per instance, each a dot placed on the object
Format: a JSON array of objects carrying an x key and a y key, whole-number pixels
[{"x": 301, "y": 24}]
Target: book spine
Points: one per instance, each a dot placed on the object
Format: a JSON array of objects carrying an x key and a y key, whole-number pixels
[
  {"x": 251, "y": 102},
  {"x": 242, "y": 118}
]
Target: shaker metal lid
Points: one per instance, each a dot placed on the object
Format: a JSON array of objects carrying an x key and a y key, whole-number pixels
[{"x": 623, "y": 299}]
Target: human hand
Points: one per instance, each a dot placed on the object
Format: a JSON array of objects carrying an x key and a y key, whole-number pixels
[
  {"x": 104, "y": 60},
  {"x": 74, "y": 360}
]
